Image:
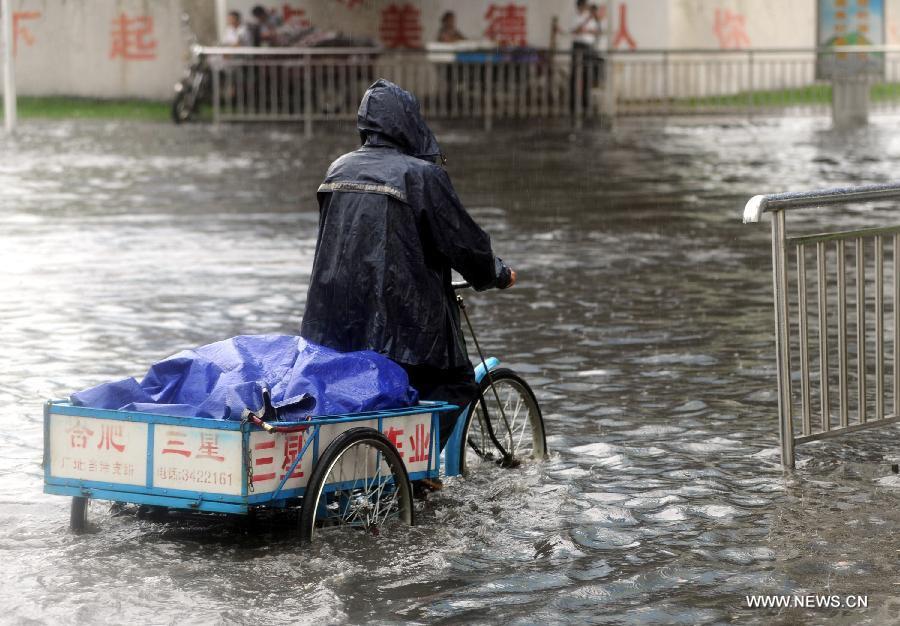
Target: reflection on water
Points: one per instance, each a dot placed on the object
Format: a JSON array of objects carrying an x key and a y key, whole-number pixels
[{"x": 643, "y": 320}]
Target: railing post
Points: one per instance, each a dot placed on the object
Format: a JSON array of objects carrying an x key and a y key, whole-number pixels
[
  {"x": 489, "y": 94},
  {"x": 9, "y": 67},
  {"x": 612, "y": 104},
  {"x": 216, "y": 93},
  {"x": 578, "y": 94},
  {"x": 896, "y": 311},
  {"x": 803, "y": 328},
  {"x": 782, "y": 347},
  {"x": 307, "y": 96},
  {"x": 750, "y": 82},
  {"x": 665, "y": 93}
]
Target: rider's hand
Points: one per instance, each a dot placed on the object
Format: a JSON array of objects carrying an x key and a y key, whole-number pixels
[{"x": 512, "y": 278}]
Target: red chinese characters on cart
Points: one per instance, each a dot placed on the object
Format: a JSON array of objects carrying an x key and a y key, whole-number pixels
[
  {"x": 197, "y": 459},
  {"x": 98, "y": 450},
  {"x": 272, "y": 456},
  {"x": 412, "y": 436}
]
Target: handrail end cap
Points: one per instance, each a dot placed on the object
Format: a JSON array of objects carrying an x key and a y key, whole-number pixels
[{"x": 753, "y": 209}]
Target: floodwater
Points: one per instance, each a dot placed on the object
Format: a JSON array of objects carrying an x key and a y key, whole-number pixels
[{"x": 643, "y": 320}]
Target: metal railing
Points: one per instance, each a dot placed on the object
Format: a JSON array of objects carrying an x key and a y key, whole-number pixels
[
  {"x": 314, "y": 84},
  {"x": 823, "y": 308},
  {"x": 744, "y": 82}
]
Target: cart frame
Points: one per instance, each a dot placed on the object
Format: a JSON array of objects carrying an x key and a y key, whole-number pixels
[{"x": 147, "y": 488}]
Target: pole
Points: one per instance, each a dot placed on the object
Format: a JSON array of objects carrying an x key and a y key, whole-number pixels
[
  {"x": 221, "y": 18},
  {"x": 609, "y": 87},
  {"x": 9, "y": 78}
]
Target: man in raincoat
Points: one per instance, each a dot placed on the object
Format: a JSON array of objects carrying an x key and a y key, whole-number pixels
[{"x": 391, "y": 228}]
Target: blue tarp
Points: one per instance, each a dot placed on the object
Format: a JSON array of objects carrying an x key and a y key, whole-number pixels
[{"x": 222, "y": 380}]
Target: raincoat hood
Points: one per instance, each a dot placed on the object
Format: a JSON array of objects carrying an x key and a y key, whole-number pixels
[{"x": 392, "y": 113}]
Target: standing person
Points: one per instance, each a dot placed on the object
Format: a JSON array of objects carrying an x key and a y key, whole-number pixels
[
  {"x": 584, "y": 30},
  {"x": 448, "y": 32},
  {"x": 236, "y": 33},
  {"x": 264, "y": 30},
  {"x": 391, "y": 228},
  {"x": 598, "y": 55}
]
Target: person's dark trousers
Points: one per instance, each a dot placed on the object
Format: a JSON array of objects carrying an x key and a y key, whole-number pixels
[
  {"x": 456, "y": 386},
  {"x": 581, "y": 54}
]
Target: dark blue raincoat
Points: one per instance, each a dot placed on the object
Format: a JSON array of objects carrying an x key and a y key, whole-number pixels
[{"x": 391, "y": 227}]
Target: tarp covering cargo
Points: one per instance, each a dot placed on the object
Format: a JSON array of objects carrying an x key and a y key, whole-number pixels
[{"x": 259, "y": 373}]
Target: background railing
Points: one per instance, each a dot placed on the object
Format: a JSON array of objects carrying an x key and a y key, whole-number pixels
[
  {"x": 848, "y": 377},
  {"x": 318, "y": 84},
  {"x": 314, "y": 84}
]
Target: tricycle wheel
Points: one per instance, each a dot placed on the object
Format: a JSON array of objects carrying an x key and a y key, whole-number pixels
[
  {"x": 361, "y": 482},
  {"x": 520, "y": 437},
  {"x": 78, "y": 514}
]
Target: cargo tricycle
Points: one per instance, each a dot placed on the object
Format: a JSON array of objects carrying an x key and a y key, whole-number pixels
[{"x": 351, "y": 470}]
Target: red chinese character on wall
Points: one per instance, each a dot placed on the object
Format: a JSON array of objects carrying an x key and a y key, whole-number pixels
[
  {"x": 263, "y": 466},
  {"x": 293, "y": 443},
  {"x": 295, "y": 16},
  {"x": 394, "y": 435},
  {"x": 350, "y": 3},
  {"x": 209, "y": 447},
  {"x": 730, "y": 30},
  {"x": 108, "y": 435},
  {"x": 506, "y": 24},
  {"x": 175, "y": 443},
  {"x": 420, "y": 443},
  {"x": 131, "y": 38},
  {"x": 20, "y": 31},
  {"x": 622, "y": 35},
  {"x": 400, "y": 27}
]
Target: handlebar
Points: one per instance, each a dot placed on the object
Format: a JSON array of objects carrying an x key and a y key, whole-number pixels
[{"x": 460, "y": 285}]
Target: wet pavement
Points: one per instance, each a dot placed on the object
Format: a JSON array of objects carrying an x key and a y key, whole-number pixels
[{"x": 642, "y": 319}]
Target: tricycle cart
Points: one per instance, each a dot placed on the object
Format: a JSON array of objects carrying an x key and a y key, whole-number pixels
[{"x": 344, "y": 470}]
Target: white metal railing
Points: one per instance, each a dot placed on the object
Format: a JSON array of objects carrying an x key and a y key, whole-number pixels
[
  {"x": 308, "y": 85},
  {"x": 313, "y": 84},
  {"x": 823, "y": 308}
]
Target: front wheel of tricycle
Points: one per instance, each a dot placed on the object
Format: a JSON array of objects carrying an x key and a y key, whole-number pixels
[
  {"x": 518, "y": 428},
  {"x": 78, "y": 514},
  {"x": 359, "y": 482}
]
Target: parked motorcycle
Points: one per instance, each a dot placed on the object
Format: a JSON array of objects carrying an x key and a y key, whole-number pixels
[{"x": 193, "y": 89}]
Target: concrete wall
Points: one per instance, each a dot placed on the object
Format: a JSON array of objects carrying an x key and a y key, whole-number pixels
[
  {"x": 646, "y": 19},
  {"x": 75, "y": 47},
  {"x": 98, "y": 48}
]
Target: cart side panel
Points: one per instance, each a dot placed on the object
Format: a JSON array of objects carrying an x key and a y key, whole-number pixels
[
  {"x": 197, "y": 459},
  {"x": 94, "y": 449},
  {"x": 414, "y": 436},
  {"x": 271, "y": 455}
]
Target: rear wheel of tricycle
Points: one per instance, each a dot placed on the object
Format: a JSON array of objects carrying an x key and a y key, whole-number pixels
[
  {"x": 489, "y": 438},
  {"x": 78, "y": 514},
  {"x": 360, "y": 482}
]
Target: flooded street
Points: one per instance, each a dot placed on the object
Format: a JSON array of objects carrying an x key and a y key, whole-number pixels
[{"x": 642, "y": 318}]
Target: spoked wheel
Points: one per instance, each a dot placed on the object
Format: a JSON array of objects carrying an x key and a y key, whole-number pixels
[
  {"x": 78, "y": 514},
  {"x": 359, "y": 482},
  {"x": 521, "y": 436}
]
